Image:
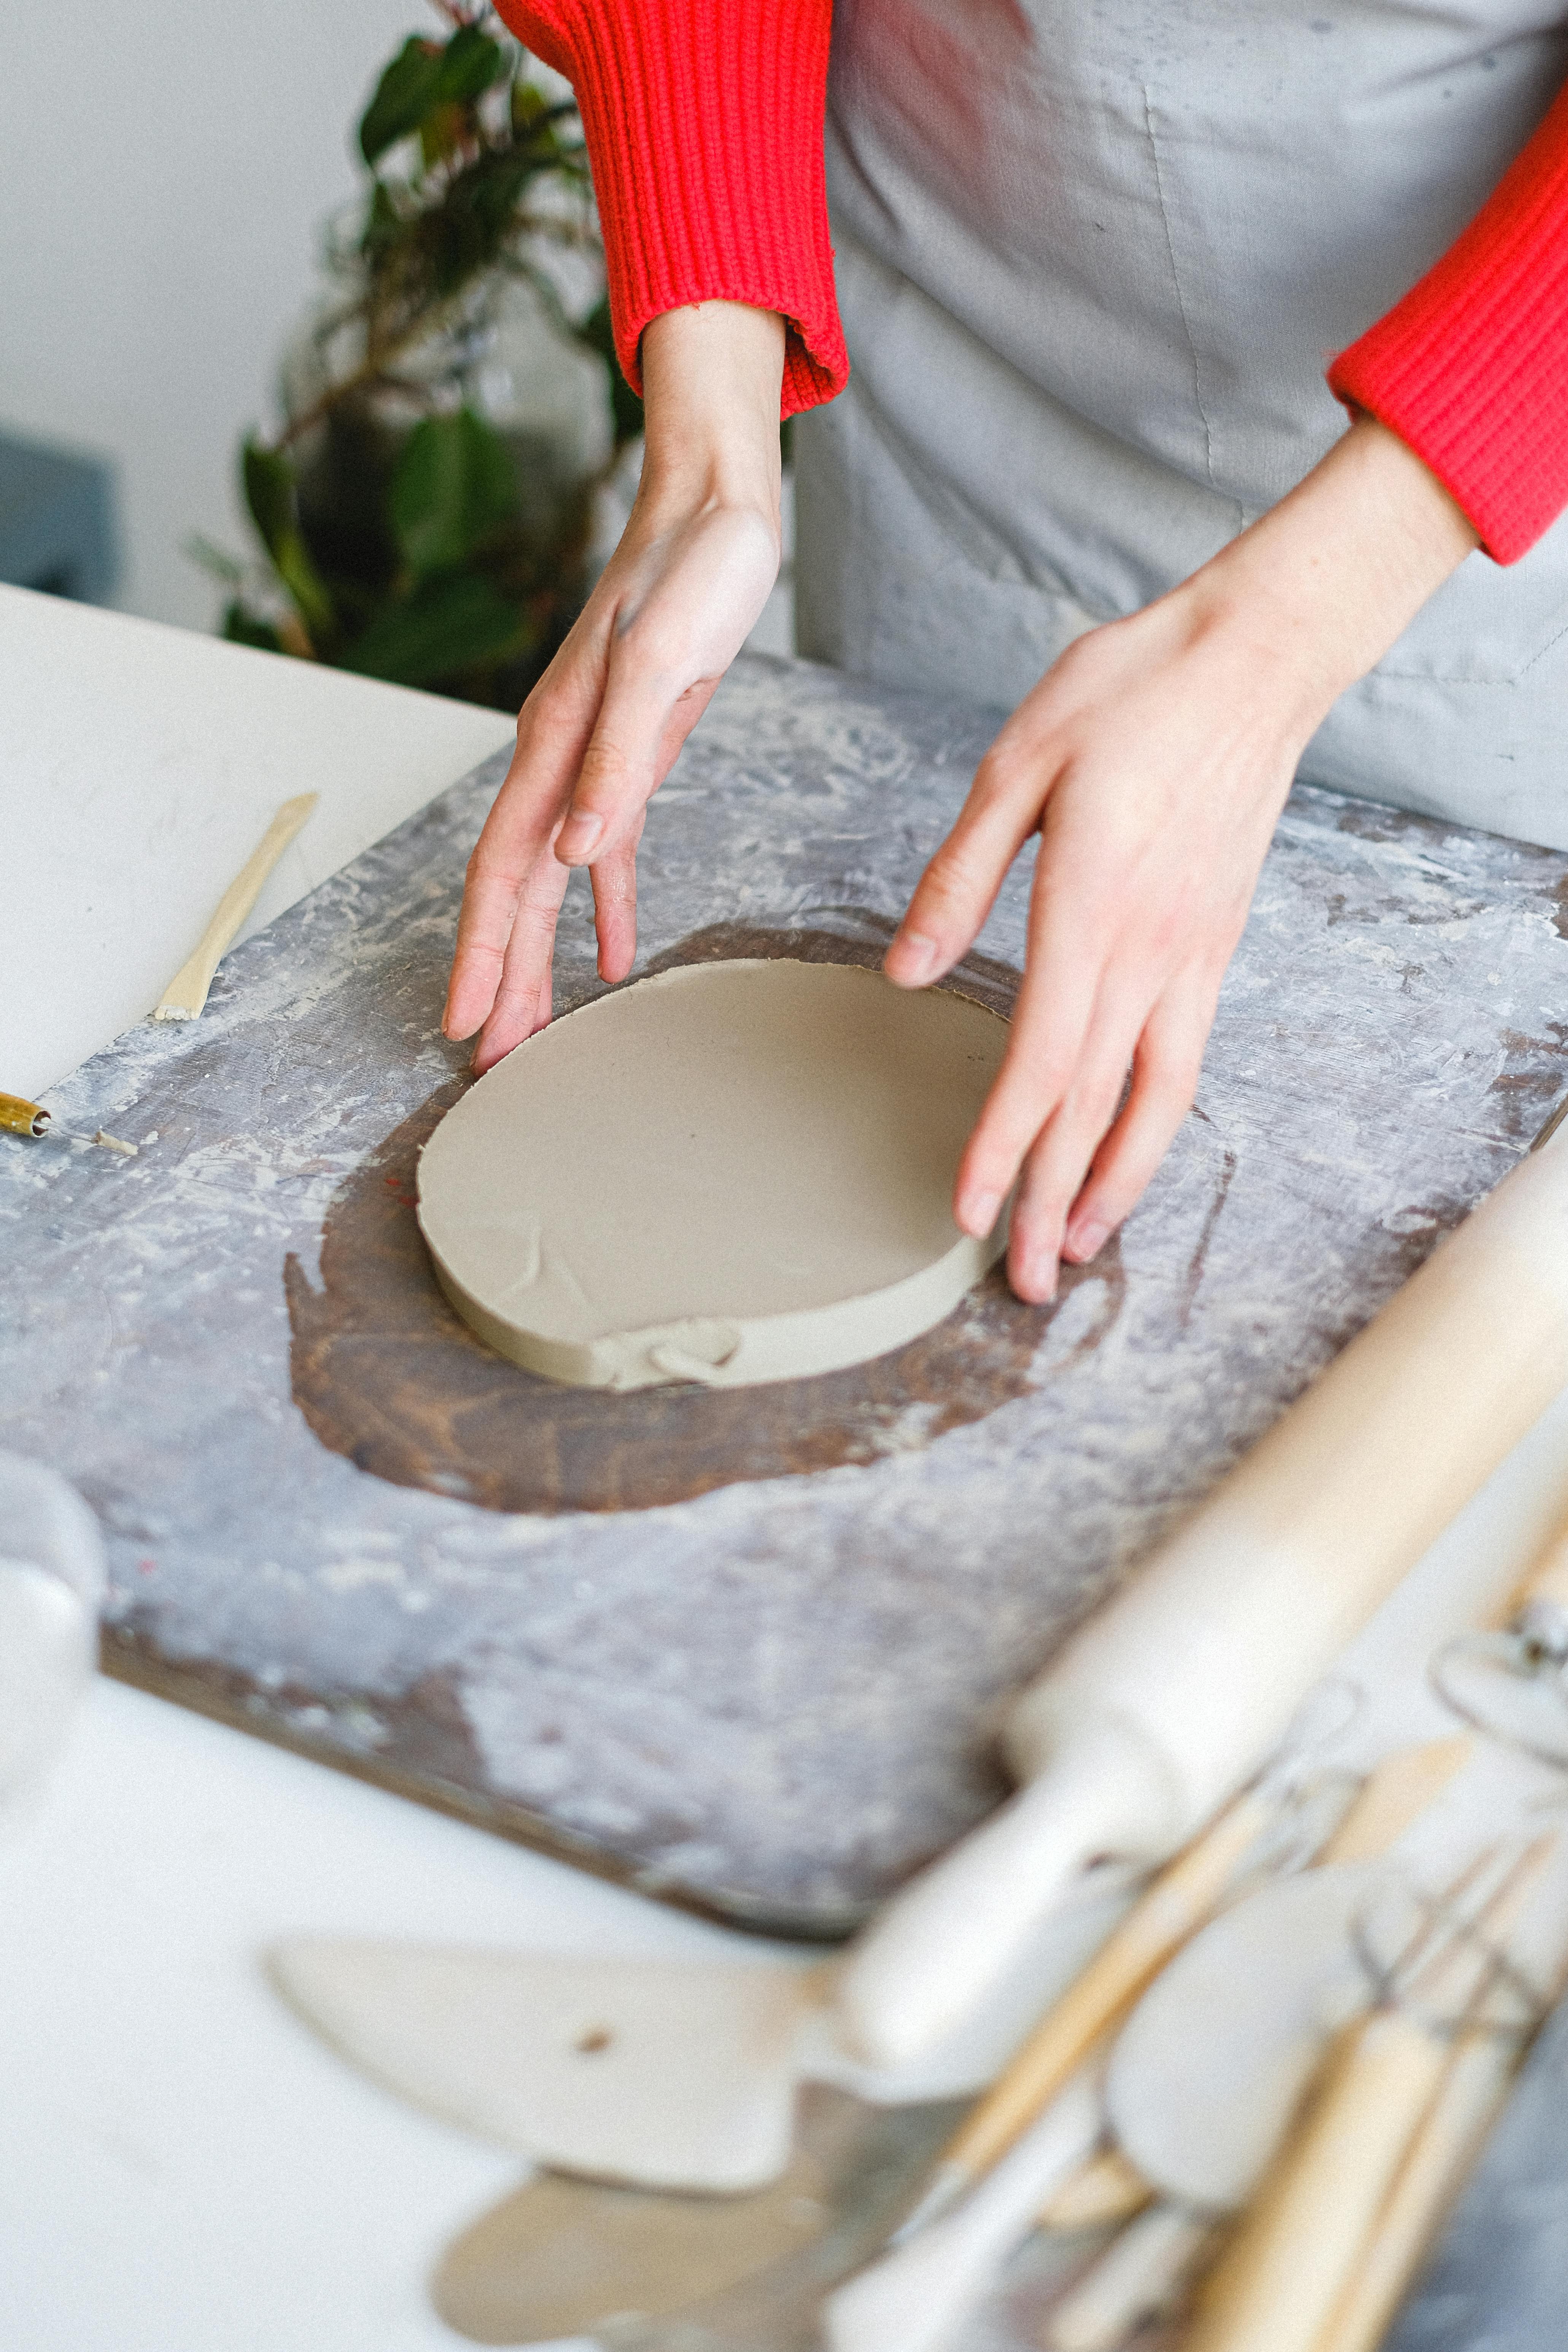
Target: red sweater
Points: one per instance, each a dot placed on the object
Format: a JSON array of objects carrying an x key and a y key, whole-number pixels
[{"x": 704, "y": 126}]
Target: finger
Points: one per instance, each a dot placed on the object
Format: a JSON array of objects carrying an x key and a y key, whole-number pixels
[
  {"x": 615, "y": 908},
  {"x": 640, "y": 731},
  {"x": 668, "y": 653},
  {"x": 525, "y": 974},
  {"x": 553, "y": 728},
  {"x": 1067, "y": 955},
  {"x": 1055, "y": 1165},
  {"x": 1164, "y": 1080},
  {"x": 959, "y": 886}
]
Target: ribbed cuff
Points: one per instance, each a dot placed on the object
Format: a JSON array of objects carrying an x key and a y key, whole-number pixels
[
  {"x": 703, "y": 120},
  {"x": 1471, "y": 368}
]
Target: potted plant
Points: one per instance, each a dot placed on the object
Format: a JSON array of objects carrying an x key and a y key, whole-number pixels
[{"x": 453, "y": 404}]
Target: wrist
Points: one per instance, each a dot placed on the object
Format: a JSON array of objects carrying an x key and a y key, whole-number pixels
[
  {"x": 711, "y": 377},
  {"x": 1320, "y": 588}
]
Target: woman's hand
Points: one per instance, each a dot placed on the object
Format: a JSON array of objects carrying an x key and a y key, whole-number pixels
[
  {"x": 1153, "y": 760},
  {"x": 599, "y": 732}
]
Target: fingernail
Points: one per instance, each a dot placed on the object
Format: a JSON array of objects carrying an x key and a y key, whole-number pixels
[
  {"x": 1084, "y": 1241},
  {"x": 1037, "y": 1278},
  {"x": 980, "y": 1209},
  {"x": 578, "y": 834},
  {"x": 916, "y": 956}
]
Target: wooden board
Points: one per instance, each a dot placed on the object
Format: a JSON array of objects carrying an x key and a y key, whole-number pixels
[{"x": 747, "y": 1653}]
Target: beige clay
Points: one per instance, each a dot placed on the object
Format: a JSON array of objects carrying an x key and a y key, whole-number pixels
[{"x": 734, "y": 1172}]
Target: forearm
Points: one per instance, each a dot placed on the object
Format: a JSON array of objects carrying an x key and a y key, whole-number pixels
[
  {"x": 1319, "y": 589},
  {"x": 703, "y": 120},
  {"x": 710, "y": 384}
]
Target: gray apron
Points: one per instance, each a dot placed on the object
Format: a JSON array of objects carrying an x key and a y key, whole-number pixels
[{"x": 1093, "y": 257}]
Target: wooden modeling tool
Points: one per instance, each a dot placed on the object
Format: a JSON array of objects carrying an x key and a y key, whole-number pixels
[
  {"x": 918, "y": 2296},
  {"x": 1206, "y": 2075},
  {"x": 187, "y": 991},
  {"x": 1296, "y": 2253},
  {"x": 526, "y": 2287},
  {"x": 1151, "y": 1715},
  {"x": 20, "y": 1117}
]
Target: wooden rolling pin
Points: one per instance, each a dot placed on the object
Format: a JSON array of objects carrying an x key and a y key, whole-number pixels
[{"x": 1157, "y": 1709}]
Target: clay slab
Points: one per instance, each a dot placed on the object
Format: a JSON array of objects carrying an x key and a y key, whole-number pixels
[{"x": 733, "y": 1174}]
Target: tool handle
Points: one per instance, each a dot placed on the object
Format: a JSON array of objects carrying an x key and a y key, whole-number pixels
[
  {"x": 1472, "y": 2092},
  {"x": 187, "y": 991},
  {"x": 1140, "y": 2275},
  {"x": 1181, "y": 1899},
  {"x": 1396, "y": 1794},
  {"x": 917, "y": 2297},
  {"x": 20, "y": 1117},
  {"x": 1278, "y": 2281}
]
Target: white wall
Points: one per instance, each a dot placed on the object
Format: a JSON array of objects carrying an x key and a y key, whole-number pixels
[{"x": 165, "y": 170}]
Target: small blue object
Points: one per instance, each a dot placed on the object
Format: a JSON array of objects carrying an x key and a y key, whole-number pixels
[{"x": 56, "y": 521}]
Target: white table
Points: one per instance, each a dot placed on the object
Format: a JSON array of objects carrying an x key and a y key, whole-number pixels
[{"x": 183, "y": 2168}]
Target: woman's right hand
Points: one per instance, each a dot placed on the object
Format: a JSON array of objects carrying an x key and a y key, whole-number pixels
[{"x": 600, "y": 732}]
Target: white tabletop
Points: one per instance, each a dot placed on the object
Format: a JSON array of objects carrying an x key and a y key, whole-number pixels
[{"x": 183, "y": 2168}]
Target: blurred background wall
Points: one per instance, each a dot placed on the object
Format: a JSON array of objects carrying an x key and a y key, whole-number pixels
[{"x": 164, "y": 171}]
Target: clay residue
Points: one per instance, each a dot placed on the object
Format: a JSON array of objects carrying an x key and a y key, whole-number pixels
[{"x": 387, "y": 1375}]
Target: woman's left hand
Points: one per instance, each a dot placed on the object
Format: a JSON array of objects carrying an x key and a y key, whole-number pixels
[{"x": 1153, "y": 760}]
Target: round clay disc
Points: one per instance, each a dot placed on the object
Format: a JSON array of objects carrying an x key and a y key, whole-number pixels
[{"x": 733, "y": 1173}]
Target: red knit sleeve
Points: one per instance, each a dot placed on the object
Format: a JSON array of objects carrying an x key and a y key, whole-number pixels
[
  {"x": 1471, "y": 368},
  {"x": 703, "y": 120}
]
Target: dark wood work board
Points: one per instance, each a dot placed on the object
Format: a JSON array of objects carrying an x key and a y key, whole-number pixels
[{"x": 746, "y": 1650}]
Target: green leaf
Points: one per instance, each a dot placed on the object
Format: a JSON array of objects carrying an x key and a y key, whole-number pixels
[
  {"x": 425, "y": 76},
  {"x": 472, "y": 63},
  {"x": 269, "y": 493},
  {"x": 243, "y": 628},
  {"x": 404, "y": 95},
  {"x": 454, "y": 486},
  {"x": 455, "y": 622}
]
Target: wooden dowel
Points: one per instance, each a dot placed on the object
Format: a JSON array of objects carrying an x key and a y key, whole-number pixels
[
  {"x": 1178, "y": 1902},
  {"x": 1276, "y": 2284},
  {"x": 187, "y": 991},
  {"x": 1466, "y": 2106}
]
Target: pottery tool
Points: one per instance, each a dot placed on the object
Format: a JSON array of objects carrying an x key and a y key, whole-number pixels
[
  {"x": 1469, "y": 2101},
  {"x": 1279, "y": 2281},
  {"x": 1142, "y": 2275},
  {"x": 20, "y": 1117},
  {"x": 562, "y": 2257},
  {"x": 681, "y": 2075},
  {"x": 709, "y": 2032},
  {"x": 1512, "y": 1684},
  {"x": 187, "y": 991},
  {"x": 1209, "y": 2067},
  {"x": 1182, "y": 1897},
  {"x": 1151, "y": 1714},
  {"x": 915, "y": 2297}
]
